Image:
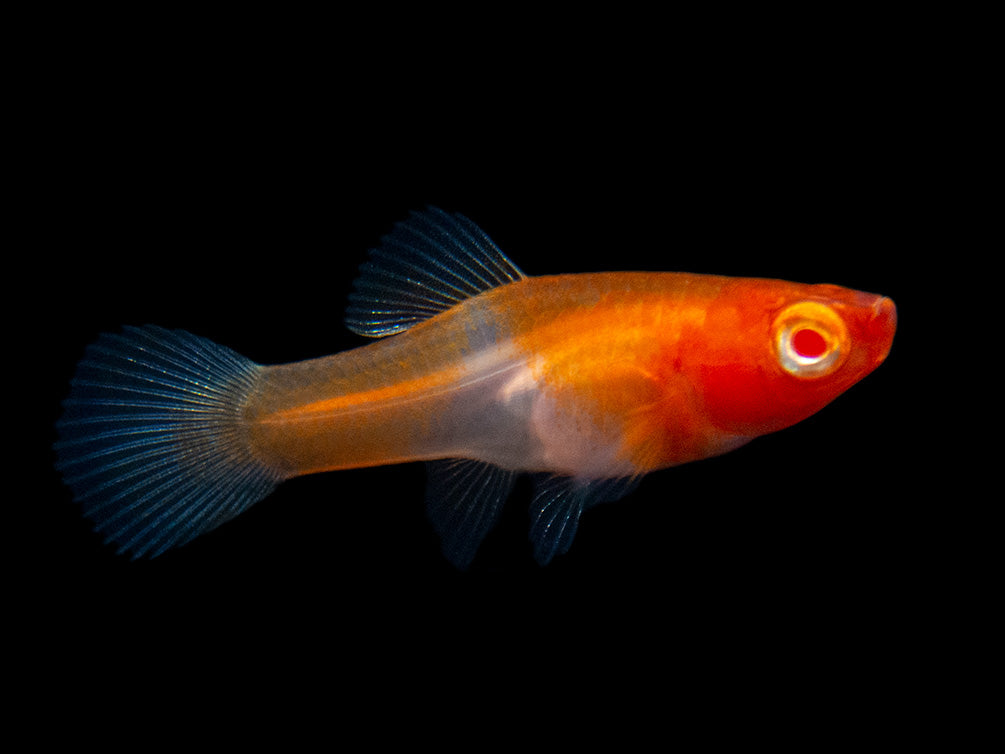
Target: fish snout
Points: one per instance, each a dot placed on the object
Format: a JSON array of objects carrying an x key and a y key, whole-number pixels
[{"x": 881, "y": 326}]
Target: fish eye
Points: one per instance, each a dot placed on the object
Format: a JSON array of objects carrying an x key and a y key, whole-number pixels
[{"x": 809, "y": 339}]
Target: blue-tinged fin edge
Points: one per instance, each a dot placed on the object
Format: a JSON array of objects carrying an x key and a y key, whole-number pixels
[{"x": 425, "y": 265}]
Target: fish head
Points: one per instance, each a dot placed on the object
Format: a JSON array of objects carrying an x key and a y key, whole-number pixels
[{"x": 777, "y": 352}]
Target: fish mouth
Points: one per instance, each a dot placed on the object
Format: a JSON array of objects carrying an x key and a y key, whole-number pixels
[{"x": 881, "y": 327}]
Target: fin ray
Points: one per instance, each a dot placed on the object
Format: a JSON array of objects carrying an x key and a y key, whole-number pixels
[
  {"x": 558, "y": 503},
  {"x": 150, "y": 439},
  {"x": 427, "y": 264},
  {"x": 463, "y": 501}
]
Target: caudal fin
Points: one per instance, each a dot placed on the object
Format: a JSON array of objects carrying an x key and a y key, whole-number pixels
[{"x": 152, "y": 441}]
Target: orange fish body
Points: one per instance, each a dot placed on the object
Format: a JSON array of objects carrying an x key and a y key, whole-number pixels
[{"x": 591, "y": 380}]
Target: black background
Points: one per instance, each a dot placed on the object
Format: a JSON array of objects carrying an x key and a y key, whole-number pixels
[{"x": 235, "y": 198}]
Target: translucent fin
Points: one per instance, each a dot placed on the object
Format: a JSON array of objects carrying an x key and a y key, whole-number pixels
[
  {"x": 559, "y": 502},
  {"x": 463, "y": 500},
  {"x": 150, "y": 440},
  {"x": 424, "y": 266}
]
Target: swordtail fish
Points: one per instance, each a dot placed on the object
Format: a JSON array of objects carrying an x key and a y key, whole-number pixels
[{"x": 587, "y": 381}]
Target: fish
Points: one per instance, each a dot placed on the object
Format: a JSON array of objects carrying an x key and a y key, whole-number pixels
[{"x": 587, "y": 382}]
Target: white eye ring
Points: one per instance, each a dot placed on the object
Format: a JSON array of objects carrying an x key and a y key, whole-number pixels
[
  {"x": 824, "y": 354},
  {"x": 802, "y": 365}
]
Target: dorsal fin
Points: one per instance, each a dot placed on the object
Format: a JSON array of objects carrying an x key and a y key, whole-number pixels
[{"x": 425, "y": 265}]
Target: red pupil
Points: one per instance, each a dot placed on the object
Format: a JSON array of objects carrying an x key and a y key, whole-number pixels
[{"x": 809, "y": 343}]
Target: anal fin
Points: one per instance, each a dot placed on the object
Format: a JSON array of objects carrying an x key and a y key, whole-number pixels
[{"x": 463, "y": 500}]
